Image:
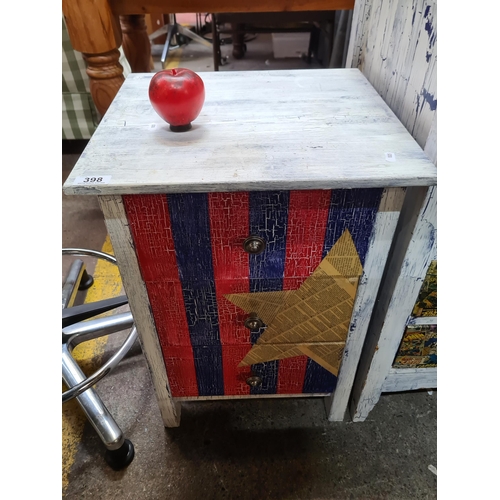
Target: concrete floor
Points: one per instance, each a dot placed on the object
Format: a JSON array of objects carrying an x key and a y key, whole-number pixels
[{"x": 279, "y": 449}]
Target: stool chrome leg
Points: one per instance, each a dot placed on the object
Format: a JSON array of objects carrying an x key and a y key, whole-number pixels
[
  {"x": 98, "y": 415},
  {"x": 119, "y": 451},
  {"x": 77, "y": 279},
  {"x": 95, "y": 328}
]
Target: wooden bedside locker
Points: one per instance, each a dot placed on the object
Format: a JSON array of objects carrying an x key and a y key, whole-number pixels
[{"x": 252, "y": 247}]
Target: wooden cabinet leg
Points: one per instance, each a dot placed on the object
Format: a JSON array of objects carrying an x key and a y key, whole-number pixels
[
  {"x": 106, "y": 77},
  {"x": 136, "y": 44},
  {"x": 121, "y": 238}
]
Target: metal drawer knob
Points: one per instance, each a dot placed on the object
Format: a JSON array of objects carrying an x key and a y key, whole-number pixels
[
  {"x": 254, "y": 245},
  {"x": 254, "y": 381},
  {"x": 253, "y": 322}
]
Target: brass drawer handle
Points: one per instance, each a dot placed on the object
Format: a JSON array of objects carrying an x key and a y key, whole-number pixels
[
  {"x": 254, "y": 381},
  {"x": 253, "y": 322},
  {"x": 254, "y": 245}
]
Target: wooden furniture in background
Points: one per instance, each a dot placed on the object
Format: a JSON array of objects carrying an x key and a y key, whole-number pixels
[
  {"x": 407, "y": 82},
  {"x": 95, "y": 30},
  {"x": 296, "y": 158},
  {"x": 136, "y": 44},
  {"x": 265, "y": 22}
]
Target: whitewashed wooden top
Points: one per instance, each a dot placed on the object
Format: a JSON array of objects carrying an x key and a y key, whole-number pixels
[{"x": 258, "y": 130}]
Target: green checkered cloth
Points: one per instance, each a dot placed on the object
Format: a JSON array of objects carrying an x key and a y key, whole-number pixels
[{"x": 79, "y": 114}]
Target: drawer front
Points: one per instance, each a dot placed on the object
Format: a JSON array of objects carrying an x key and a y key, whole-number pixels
[
  {"x": 200, "y": 236},
  {"x": 191, "y": 256},
  {"x": 221, "y": 313},
  {"x": 215, "y": 371}
]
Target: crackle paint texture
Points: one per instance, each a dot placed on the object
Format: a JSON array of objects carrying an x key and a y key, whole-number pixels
[
  {"x": 394, "y": 44},
  {"x": 190, "y": 253}
]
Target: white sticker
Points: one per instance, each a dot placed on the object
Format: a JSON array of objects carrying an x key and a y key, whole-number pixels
[
  {"x": 390, "y": 156},
  {"x": 92, "y": 180}
]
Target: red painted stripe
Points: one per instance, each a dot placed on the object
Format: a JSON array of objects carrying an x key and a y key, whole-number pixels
[
  {"x": 307, "y": 220},
  {"x": 149, "y": 222},
  {"x": 229, "y": 226}
]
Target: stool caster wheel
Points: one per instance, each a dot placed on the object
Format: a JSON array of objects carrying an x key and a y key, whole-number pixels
[
  {"x": 86, "y": 282},
  {"x": 122, "y": 457}
]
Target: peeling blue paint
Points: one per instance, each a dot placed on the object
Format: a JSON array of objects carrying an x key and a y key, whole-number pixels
[
  {"x": 429, "y": 99},
  {"x": 427, "y": 9},
  {"x": 428, "y": 56},
  {"x": 429, "y": 28}
]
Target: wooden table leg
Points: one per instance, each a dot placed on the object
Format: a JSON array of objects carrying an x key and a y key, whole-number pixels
[
  {"x": 239, "y": 47},
  {"x": 136, "y": 44},
  {"x": 106, "y": 77},
  {"x": 215, "y": 43},
  {"x": 95, "y": 32}
]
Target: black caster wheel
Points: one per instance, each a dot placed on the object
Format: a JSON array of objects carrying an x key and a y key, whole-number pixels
[
  {"x": 86, "y": 282},
  {"x": 122, "y": 457}
]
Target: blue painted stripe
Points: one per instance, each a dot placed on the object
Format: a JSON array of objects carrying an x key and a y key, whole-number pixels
[
  {"x": 208, "y": 366},
  {"x": 317, "y": 379},
  {"x": 268, "y": 219},
  {"x": 189, "y": 216},
  {"x": 355, "y": 210}
]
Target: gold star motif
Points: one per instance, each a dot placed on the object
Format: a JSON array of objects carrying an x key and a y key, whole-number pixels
[{"x": 312, "y": 320}]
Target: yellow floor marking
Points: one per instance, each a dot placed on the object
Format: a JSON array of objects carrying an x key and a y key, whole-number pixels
[
  {"x": 174, "y": 59},
  {"x": 107, "y": 283}
]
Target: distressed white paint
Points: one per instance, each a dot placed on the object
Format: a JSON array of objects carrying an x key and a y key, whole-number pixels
[
  {"x": 410, "y": 379},
  {"x": 380, "y": 242},
  {"x": 123, "y": 247},
  {"x": 413, "y": 249},
  {"x": 394, "y": 44},
  {"x": 416, "y": 239},
  {"x": 431, "y": 144},
  {"x": 425, "y": 320},
  {"x": 259, "y": 130}
]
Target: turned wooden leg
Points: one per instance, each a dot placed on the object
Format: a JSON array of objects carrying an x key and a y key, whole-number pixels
[
  {"x": 136, "y": 44},
  {"x": 106, "y": 77},
  {"x": 94, "y": 31},
  {"x": 239, "y": 47}
]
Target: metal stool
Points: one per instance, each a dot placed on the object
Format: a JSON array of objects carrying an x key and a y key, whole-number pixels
[
  {"x": 175, "y": 30},
  {"x": 77, "y": 327}
]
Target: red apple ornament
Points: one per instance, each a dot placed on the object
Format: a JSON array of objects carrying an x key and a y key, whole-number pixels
[{"x": 177, "y": 95}]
